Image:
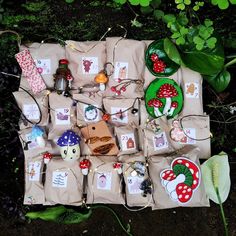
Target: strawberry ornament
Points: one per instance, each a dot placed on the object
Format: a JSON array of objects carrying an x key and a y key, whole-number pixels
[{"x": 181, "y": 180}]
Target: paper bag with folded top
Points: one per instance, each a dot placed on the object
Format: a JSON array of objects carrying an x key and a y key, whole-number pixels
[{"x": 99, "y": 139}]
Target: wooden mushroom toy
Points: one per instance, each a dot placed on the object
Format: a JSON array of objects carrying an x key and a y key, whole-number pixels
[
  {"x": 118, "y": 166},
  {"x": 101, "y": 79},
  {"x": 84, "y": 166},
  {"x": 47, "y": 157}
]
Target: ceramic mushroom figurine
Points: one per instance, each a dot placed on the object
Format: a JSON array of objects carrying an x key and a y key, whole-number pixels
[
  {"x": 167, "y": 91},
  {"x": 69, "y": 146},
  {"x": 156, "y": 104},
  {"x": 118, "y": 166},
  {"x": 47, "y": 157},
  {"x": 101, "y": 79},
  {"x": 37, "y": 133},
  {"x": 84, "y": 166},
  {"x": 181, "y": 179}
]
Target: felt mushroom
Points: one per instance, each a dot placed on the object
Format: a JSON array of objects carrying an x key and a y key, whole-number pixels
[
  {"x": 69, "y": 145},
  {"x": 118, "y": 166},
  {"x": 47, "y": 157},
  {"x": 181, "y": 180},
  {"x": 101, "y": 78},
  {"x": 37, "y": 134},
  {"x": 167, "y": 91},
  {"x": 156, "y": 103},
  {"x": 173, "y": 106},
  {"x": 84, "y": 166}
]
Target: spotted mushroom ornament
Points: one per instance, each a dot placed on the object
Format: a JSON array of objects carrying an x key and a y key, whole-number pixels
[
  {"x": 181, "y": 180},
  {"x": 163, "y": 97},
  {"x": 69, "y": 146}
]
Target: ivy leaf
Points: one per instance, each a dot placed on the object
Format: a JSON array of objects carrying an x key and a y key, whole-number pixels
[
  {"x": 211, "y": 42},
  {"x": 181, "y": 6},
  {"x": 187, "y": 2},
  {"x": 158, "y": 14},
  {"x": 180, "y": 41},
  {"x": 172, "y": 51},
  {"x": 169, "y": 18},
  {"x": 223, "y": 4},
  {"x": 175, "y": 35},
  {"x": 208, "y": 23},
  {"x": 198, "y": 40},
  {"x": 220, "y": 81},
  {"x": 183, "y": 30},
  {"x": 182, "y": 19}
]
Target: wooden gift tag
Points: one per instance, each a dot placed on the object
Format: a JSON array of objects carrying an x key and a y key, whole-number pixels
[{"x": 99, "y": 139}]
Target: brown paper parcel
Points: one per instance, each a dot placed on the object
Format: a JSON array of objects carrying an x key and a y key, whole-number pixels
[
  {"x": 161, "y": 198},
  {"x": 100, "y": 139},
  {"x": 104, "y": 182},
  {"x": 46, "y": 57},
  {"x": 132, "y": 192},
  {"x": 34, "y": 191},
  {"x": 63, "y": 183}
]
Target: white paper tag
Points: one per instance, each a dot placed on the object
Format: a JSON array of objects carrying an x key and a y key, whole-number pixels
[
  {"x": 89, "y": 65},
  {"x": 160, "y": 141},
  {"x": 121, "y": 117},
  {"x": 134, "y": 183},
  {"x": 121, "y": 70},
  {"x": 62, "y": 116},
  {"x": 34, "y": 170},
  {"x": 31, "y": 111},
  {"x": 191, "y": 135},
  {"x": 91, "y": 113},
  {"x": 127, "y": 141},
  {"x": 33, "y": 143},
  {"x": 104, "y": 181},
  {"x": 43, "y": 66},
  {"x": 59, "y": 179},
  {"x": 192, "y": 90}
]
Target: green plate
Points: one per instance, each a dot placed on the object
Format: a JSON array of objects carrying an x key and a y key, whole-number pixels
[
  {"x": 158, "y": 48},
  {"x": 152, "y": 90}
]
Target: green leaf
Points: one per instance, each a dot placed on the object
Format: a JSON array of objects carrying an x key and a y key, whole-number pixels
[
  {"x": 50, "y": 214},
  {"x": 155, "y": 3},
  {"x": 232, "y": 1},
  {"x": 172, "y": 51},
  {"x": 69, "y": 1},
  {"x": 134, "y": 2},
  {"x": 120, "y": 1},
  {"x": 216, "y": 170},
  {"x": 181, "y": 6},
  {"x": 158, "y": 14},
  {"x": 175, "y": 35},
  {"x": 146, "y": 10},
  {"x": 183, "y": 30},
  {"x": 180, "y": 41},
  {"x": 187, "y": 2},
  {"x": 182, "y": 19},
  {"x": 199, "y": 46},
  {"x": 196, "y": 8},
  {"x": 145, "y": 3},
  {"x": 198, "y": 40},
  {"x": 223, "y": 4},
  {"x": 220, "y": 81},
  {"x": 208, "y": 23},
  {"x": 178, "y": 1},
  {"x": 169, "y": 18},
  {"x": 211, "y": 42}
]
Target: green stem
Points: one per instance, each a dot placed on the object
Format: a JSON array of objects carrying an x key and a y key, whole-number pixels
[
  {"x": 114, "y": 214},
  {"x": 230, "y": 63},
  {"x": 222, "y": 212}
]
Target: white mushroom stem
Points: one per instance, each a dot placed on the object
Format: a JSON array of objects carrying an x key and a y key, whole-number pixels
[
  {"x": 102, "y": 86},
  {"x": 167, "y": 105},
  {"x": 40, "y": 141},
  {"x": 85, "y": 171},
  {"x": 157, "y": 112},
  {"x": 171, "y": 186},
  {"x": 46, "y": 160},
  {"x": 171, "y": 111}
]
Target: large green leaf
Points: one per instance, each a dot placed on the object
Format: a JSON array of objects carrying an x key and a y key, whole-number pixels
[
  {"x": 220, "y": 81},
  {"x": 215, "y": 174}
]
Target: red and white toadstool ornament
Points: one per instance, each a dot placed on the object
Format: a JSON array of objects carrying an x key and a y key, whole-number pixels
[
  {"x": 181, "y": 180},
  {"x": 84, "y": 166},
  {"x": 118, "y": 166},
  {"x": 47, "y": 157},
  {"x": 156, "y": 103},
  {"x": 167, "y": 91}
]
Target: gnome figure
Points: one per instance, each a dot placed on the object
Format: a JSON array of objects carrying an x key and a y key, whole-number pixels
[{"x": 69, "y": 146}]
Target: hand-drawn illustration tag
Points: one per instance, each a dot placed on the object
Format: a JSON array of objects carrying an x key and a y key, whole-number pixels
[
  {"x": 127, "y": 141},
  {"x": 121, "y": 70},
  {"x": 62, "y": 116},
  {"x": 31, "y": 111},
  {"x": 119, "y": 115},
  {"x": 134, "y": 183},
  {"x": 104, "y": 180},
  {"x": 89, "y": 65},
  {"x": 43, "y": 66},
  {"x": 192, "y": 90},
  {"x": 160, "y": 141},
  {"x": 34, "y": 170},
  {"x": 59, "y": 179}
]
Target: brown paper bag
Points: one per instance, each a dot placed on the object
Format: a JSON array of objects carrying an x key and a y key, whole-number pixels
[
  {"x": 196, "y": 132},
  {"x": 63, "y": 115},
  {"x": 85, "y": 62},
  {"x": 127, "y": 56},
  {"x": 100, "y": 139},
  {"x": 87, "y": 105},
  {"x": 30, "y": 109},
  {"x": 134, "y": 195},
  {"x": 120, "y": 116},
  {"x": 104, "y": 182},
  {"x": 128, "y": 139},
  {"x": 184, "y": 189},
  {"x": 63, "y": 184},
  {"x": 30, "y": 146},
  {"x": 46, "y": 56},
  {"x": 34, "y": 191}
]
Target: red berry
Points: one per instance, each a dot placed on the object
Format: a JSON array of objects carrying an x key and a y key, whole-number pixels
[
  {"x": 119, "y": 80},
  {"x": 106, "y": 117},
  {"x": 154, "y": 57},
  {"x": 123, "y": 89},
  {"x": 118, "y": 92},
  {"x": 113, "y": 88}
]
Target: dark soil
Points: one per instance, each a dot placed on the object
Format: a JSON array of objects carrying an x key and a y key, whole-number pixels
[{"x": 57, "y": 21}]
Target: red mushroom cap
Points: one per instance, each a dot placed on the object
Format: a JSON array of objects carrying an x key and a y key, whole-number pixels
[
  {"x": 117, "y": 165},
  {"x": 167, "y": 90},
  {"x": 174, "y": 104},
  {"x": 194, "y": 169},
  {"x": 84, "y": 164},
  {"x": 184, "y": 192},
  {"x": 168, "y": 175},
  {"x": 47, "y": 155},
  {"x": 155, "y": 103}
]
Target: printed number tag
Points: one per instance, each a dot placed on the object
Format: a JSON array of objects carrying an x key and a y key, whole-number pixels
[
  {"x": 127, "y": 141},
  {"x": 192, "y": 90},
  {"x": 190, "y": 138},
  {"x": 89, "y": 65},
  {"x": 43, "y": 66},
  {"x": 34, "y": 171},
  {"x": 31, "y": 111},
  {"x": 160, "y": 141},
  {"x": 62, "y": 116},
  {"x": 104, "y": 180},
  {"x": 59, "y": 179},
  {"x": 134, "y": 183}
]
